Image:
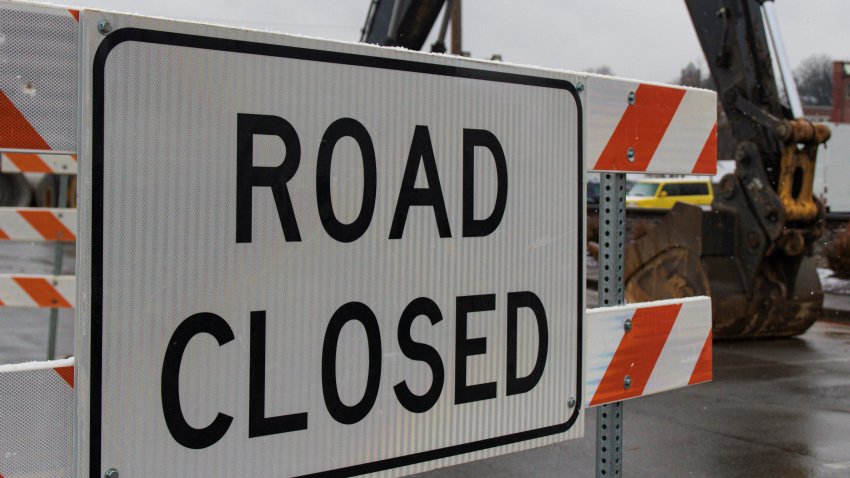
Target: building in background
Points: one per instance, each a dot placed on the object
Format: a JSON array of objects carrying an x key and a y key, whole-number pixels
[
  {"x": 839, "y": 109},
  {"x": 840, "y": 92}
]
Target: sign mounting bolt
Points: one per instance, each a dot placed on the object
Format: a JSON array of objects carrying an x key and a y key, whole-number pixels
[
  {"x": 571, "y": 403},
  {"x": 110, "y": 473},
  {"x": 630, "y": 155},
  {"x": 627, "y": 382},
  {"x": 627, "y": 325},
  {"x": 579, "y": 87},
  {"x": 105, "y": 27},
  {"x": 631, "y": 97}
]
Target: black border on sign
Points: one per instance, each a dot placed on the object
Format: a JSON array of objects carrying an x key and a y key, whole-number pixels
[{"x": 263, "y": 49}]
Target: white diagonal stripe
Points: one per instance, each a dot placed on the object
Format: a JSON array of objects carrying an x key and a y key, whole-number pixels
[
  {"x": 604, "y": 333},
  {"x": 607, "y": 100},
  {"x": 686, "y": 136},
  {"x": 12, "y": 294},
  {"x": 683, "y": 347}
]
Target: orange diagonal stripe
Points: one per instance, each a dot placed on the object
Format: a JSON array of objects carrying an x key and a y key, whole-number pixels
[
  {"x": 15, "y": 130},
  {"x": 28, "y": 162},
  {"x": 3, "y": 235},
  {"x": 637, "y": 353},
  {"x": 707, "y": 161},
  {"x": 641, "y": 128},
  {"x": 76, "y": 15},
  {"x": 67, "y": 374},
  {"x": 44, "y": 294},
  {"x": 702, "y": 370},
  {"x": 48, "y": 225}
]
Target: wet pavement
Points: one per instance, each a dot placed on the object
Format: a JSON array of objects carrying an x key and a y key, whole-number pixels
[{"x": 777, "y": 408}]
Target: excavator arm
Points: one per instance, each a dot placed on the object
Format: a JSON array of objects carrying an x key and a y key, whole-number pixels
[
  {"x": 404, "y": 23},
  {"x": 752, "y": 252}
]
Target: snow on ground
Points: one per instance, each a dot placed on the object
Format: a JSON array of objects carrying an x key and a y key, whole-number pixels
[{"x": 831, "y": 284}]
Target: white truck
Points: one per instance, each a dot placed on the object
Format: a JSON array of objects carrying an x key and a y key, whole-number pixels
[{"x": 832, "y": 172}]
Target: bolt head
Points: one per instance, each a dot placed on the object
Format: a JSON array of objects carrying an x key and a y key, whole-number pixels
[
  {"x": 753, "y": 240},
  {"x": 627, "y": 325},
  {"x": 111, "y": 473},
  {"x": 579, "y": 87},
  {"x": 631, "y": 97},
  {"x": 105, "y": 27},
  {"x": 627, "y": 382},
  {"x": 571, "y": 403},
  {"x": 630, "y": 155}
]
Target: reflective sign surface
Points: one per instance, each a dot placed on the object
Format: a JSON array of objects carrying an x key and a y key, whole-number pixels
[{"x": 312, "y": 257}]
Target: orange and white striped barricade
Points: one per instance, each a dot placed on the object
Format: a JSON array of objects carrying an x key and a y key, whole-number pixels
[
  {"x": 637, "y": 350},
  {"x": 635, "y": 127},
  {"x": 37, "y": 419},
  {"x": 38, "y": 162},
  {"x": 37, "y": 291},
  {"x": 38, "y": 224}
]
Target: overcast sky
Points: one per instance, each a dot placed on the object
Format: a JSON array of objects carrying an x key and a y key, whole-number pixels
[{"x": 642, "y": 39}]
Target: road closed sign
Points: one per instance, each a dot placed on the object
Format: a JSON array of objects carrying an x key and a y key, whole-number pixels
[{"x": 301, "y": 257}]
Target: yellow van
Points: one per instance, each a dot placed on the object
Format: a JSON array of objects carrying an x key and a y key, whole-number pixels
[{"x": 663, "y": 193}]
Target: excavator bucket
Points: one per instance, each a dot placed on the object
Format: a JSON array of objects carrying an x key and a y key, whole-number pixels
[
  {"x": 694, "y": 252},
  {"x": 751, "y": 253}
]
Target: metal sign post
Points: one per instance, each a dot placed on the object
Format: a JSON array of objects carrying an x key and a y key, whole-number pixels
[
  {"x": 59, "y": 249},
  {"x": 612, "y": 226}
]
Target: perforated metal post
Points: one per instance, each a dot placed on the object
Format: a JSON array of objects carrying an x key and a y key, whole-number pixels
[
  {"x": 612, "y": 232},
  {"x": 61, "y": 201}
]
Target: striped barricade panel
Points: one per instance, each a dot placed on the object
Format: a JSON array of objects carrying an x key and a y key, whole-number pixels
[
  {"x": 641, "y": 349},
  {"x": 37, "y": 419},
  {"x": 647, "y": 128},
  {"x": 40, "y": 162},
  {"x": 38, "y": 224},
  {"x": 37, "y": 290},
  {"x": 38, "y": 102}
]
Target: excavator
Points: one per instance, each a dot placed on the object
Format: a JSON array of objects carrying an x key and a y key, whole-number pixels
[{"x": 752, "y": 251}]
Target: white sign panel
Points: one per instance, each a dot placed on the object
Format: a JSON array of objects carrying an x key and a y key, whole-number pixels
[{"x": 310, "y": 257}]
